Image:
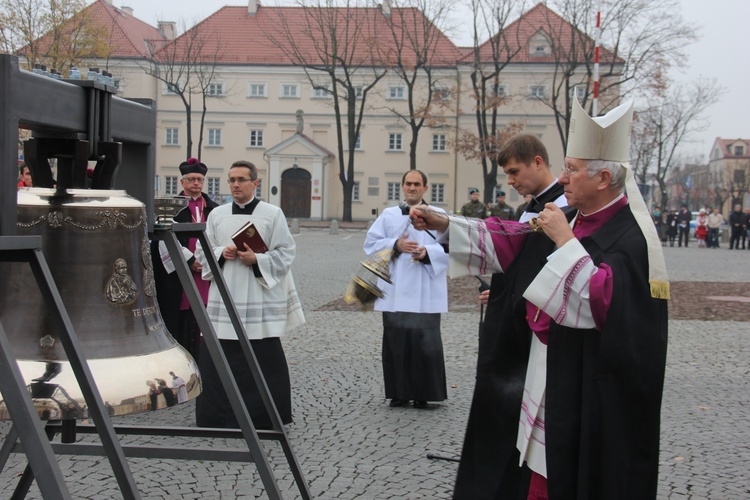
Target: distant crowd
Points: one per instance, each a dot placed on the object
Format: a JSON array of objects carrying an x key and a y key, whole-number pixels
[{"x": 706, "y": 229}]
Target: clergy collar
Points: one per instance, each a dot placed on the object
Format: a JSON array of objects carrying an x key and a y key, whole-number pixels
[
  {"x": 554, "y": 183},
  {"x": 243, "y": 205},
  {"x": 586, "y": 225}
]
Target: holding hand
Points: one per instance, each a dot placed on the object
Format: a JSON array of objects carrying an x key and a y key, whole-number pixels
[
  {"x": 555, "y": 225},
  {"x": 248, "y": 257},
  {"x": 425, "y": 218}
]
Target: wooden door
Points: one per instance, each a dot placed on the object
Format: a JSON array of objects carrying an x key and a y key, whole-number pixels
[{"x": 296, "y": 188}]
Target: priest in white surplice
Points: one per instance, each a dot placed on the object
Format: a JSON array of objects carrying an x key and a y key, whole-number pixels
[
  {"x": 413, "y": 364},
  {"x": 583, "y": 332},
  {"x": 263, "y": 291}
]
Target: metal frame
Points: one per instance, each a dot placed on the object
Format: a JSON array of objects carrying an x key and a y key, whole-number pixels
[
  {"x": 26, "y": 423},
  {"x": 57, "y": 109}
]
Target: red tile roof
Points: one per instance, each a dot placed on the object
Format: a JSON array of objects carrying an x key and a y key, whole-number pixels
[
  {"x": 235, "y": 37},
  {"x": 538, "y": 19},
  {"x": 128, "y": 34},
  {"x": 725, "y": 146}
]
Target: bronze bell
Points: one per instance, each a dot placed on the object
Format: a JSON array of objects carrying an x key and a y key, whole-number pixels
[{"x": 97, "y": 248}]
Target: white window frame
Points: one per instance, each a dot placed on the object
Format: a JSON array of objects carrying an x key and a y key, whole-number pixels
[
  {"x": 395, "y": 141},
  {"x": 578, "y": 91},
  {"x": 355, "y": 191},
  {"x": 394, "y": 191},
  {"x": 170, "y": 185},
  {"x": 437, "y": 194},
  {"x": 321, "y": 93},
  {"x": 359, "y": 91},
  {"x": 396, "y": 93},
  {"x": 439, "y": 143},
  {"x": 537, "y": 91},
  {"x": 253, "y": 87},
  {"x": 256, "y": 138},
  {"x": 167, "y": 89},
  {"x": 213, "y": 186},
  {"x": 215, "y": 89},
  {"x": 214, "y": 138},
  {"x": 285, "y": 91},
  {"x": 172, "y": 136},
  {"x": 739, "y": 150},
  {"x": 500, "y": 90},
  {"x": 258, "y": 190}
]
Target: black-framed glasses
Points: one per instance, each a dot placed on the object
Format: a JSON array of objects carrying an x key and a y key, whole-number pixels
[
  {"x": 191, "y": 180},
  {"x": 238, "y": 180}
]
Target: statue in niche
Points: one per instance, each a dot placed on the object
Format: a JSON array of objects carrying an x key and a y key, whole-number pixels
[{"x": 300, "y": 121}]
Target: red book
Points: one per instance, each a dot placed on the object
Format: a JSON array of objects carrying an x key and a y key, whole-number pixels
[{"x": 250, "y": 235}]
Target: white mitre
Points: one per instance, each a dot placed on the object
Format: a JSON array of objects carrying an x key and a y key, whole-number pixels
[{"x": 608, "y": 138}]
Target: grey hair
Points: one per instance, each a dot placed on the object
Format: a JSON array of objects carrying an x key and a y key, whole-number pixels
[{"x": 614, "y": 167}]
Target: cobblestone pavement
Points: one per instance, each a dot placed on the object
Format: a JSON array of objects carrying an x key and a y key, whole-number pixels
[{"x": 352, "y": 445}]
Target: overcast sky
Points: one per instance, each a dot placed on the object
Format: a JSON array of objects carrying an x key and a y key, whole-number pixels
[{"x": 721, "y": 53}]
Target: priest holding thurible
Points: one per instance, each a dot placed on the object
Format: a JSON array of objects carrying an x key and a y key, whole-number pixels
[{"x": 576, "y": 387}]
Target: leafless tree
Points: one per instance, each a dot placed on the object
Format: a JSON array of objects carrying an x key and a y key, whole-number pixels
[
  {"x": 337, "y": 47},
  {"x": 667, "y": 119},
  {"x": 187, "y": 67},
  {"x": 57, "y": 33},
  {"x": 638, "y": 39},
  {"x": 489, "y": 59},
  {"x": 417, "y": 49}
]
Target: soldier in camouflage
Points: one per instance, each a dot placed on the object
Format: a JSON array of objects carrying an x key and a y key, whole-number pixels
[
  {"x": 474, "y": 208},
  {"x": 502, "y": 209}
]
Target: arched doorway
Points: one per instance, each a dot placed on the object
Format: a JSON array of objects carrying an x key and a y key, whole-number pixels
[{"x": 295, "y": 193}]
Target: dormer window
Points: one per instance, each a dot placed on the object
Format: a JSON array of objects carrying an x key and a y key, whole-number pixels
[
  {"x": 539, "y": 45},
  {"x": 739, "y": 150}
]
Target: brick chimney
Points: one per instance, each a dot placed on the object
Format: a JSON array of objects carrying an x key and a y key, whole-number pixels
[
  {"x": 127, "y": 10},
  {"x": 168, "y": 29},
  {"x": 252, "y": 7}
]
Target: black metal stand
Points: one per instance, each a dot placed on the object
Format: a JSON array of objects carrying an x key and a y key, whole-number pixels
[
  {"x": 247, "y": 429},
  {"x": 26, "y": 423}
]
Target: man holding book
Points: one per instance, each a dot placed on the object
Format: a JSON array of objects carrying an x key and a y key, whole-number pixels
[{"x": 264, "y": 294}]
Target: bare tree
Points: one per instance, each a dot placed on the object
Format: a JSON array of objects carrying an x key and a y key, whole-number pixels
[
  {"x": 417, "y": 50},
  {"x": 187, "y": 66},
  {"x": 337, "y": 47},
  {"x": 489, "y": 59},
  {"x": 638, "y": 38},
  {"x": 667, "y": 120},
  {"x": 57, "y": 33}
]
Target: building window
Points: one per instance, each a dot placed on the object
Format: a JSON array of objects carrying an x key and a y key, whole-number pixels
[
  {"x": 394, "y": 191},
  {"x": 214, "y": 137},
  {"x": 396, "y": 92},
  {"x": 321, "y": 93},
  {"x": 358, "y": 143},
  {"x": 442, "y": 94},
  {"x": 214, "y": 184},
  {"x": 289, "y": 90},
  {"x": 394, "y": 142},
  {"x": 258, "y": 189},
  {"x": 256, "y": 138},
  {"x": 215, "y": 89},
  {"x": 358, "y": 91},
  {"x": 170, "y": 89},
  {"x": 739, "y": 151},
  {"x": 438, "y": 142},
  {"x": 438, "y": 193},
  {"x": 355, "y": 191},
  {"x": 170, "y": 184},
  {"x": 256, "y": 90},
  {"x": 739, "y": 177},
  {"x": 536, "y": 91},
  {"x": 578, "y": 91},
  {"x": 172, "y": 136},
  {"x": 500, "y": 90},
  {"x": 373, "y": 186}
]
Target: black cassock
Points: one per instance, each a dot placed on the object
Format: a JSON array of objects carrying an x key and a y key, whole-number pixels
[{"x": 604, "y": 388}]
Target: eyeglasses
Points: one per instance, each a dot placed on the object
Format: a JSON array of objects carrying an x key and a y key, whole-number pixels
[
  {"x": 238, "y": 180},
  {"x": 199, "y": 180}
]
